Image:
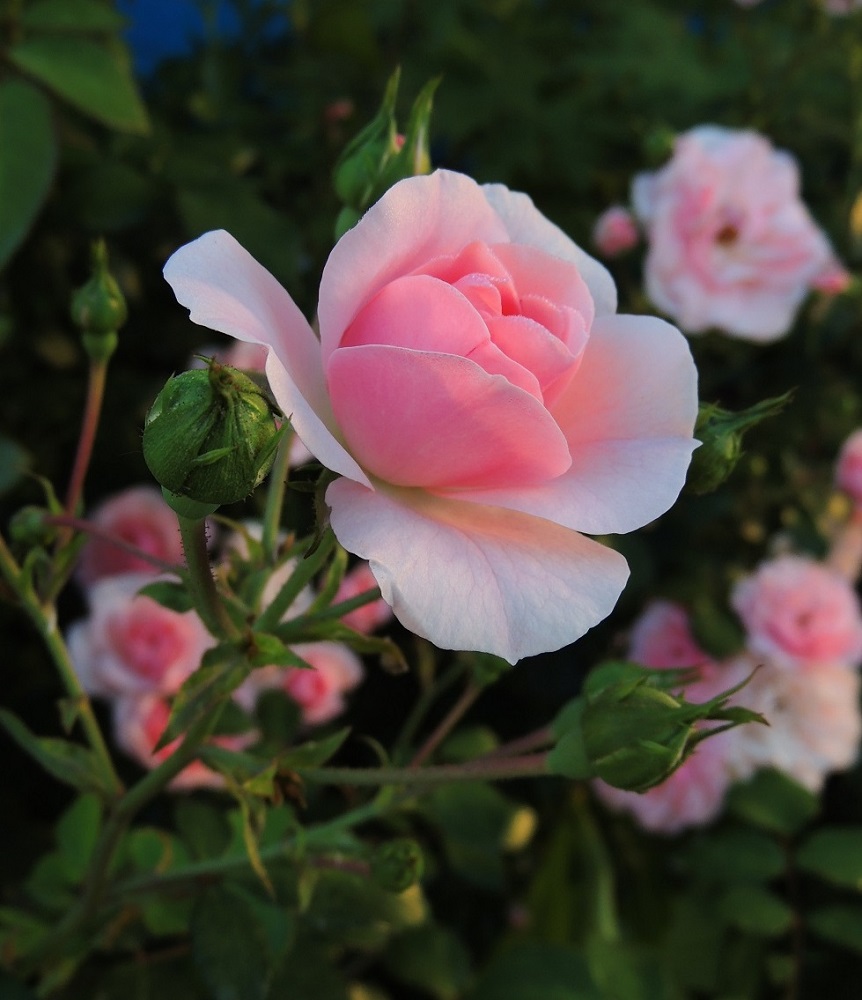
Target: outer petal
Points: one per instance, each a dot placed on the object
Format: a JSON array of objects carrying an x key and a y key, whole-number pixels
[
  {"x": 227, "y": 290},
  {"x": 416, "y": 220},
  {"x": 526, "y": 224},
  {"x": 415, "y": 418},
  {"x": 628, "y": 416},
  {"x": 470, "y": 577}
]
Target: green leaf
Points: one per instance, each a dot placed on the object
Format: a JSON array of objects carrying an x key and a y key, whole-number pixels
[
  {"x": 313, "y": 753},
  {"x": 77, "y": 833},
  {"x": 80, "y": 16},
  {"x": 28, "y": 155},
  {"x": 173, "y": 596},
  {"x": 536, "y": 972},
  {"x": 68, "y": 762},
  {"x": 221, "y": 672},
  {"x": 229, "y": 946},
  {"x": 92, "y": 76},
  {"x": 736, "y": 854},
  {"x": 430, "y": 958},
  {"x": 755, "y": 910},
  {"x": 269, "y": 650},
  {"x": 835, "y": 854},
  {"x": 773, "y": 801},
  {"x": 203, "y": 828},
  {"x": 841, "y": 925}
]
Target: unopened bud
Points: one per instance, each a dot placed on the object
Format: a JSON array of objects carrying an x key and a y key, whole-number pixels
[
  {"x": 210, "y": 438},
  {"x": 98, "y": 307},
  {"x": 720, "y": 433},
  {"x": 27, "y": 527},
  {"x": 397, "y": 864}
]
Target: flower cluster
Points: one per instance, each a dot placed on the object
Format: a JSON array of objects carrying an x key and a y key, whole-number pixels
[
  {"x": 731, "y": 245},
  {"x": 802, "y": 650},
  {"x": 136, "y": 653}
]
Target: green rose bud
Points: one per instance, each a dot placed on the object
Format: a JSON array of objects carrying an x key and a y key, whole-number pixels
[
  {"x": 210, "y": 438},
  {"x": 628, "y": 729},
  {"x": 720, "y": 433},
  {"x": 99, "y": 308},
  {"x": 398, "y": 864},
  {"x": 27, "y": 527}
]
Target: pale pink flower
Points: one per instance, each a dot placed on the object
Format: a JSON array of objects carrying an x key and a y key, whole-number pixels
[
  {"x": 130, "y": 645},
  {"x": 139, "y": 516},
  {"x": 848, "y": 469},
  {"x": 798, "y": 611},
  {"x": 840, "y": 7},
  {"x": 692, "y": 796},
  {"x": 138, "y": 725},
  {"x": 813, "y": 715},
  {"x": 319, "y": 689},
  {"x": 615, "y": 231},
  {"x": 731, "y": 245},
  {"x": 662, "y": 637},
  {"x": 480, "y": 400},
  {"x": 370, "y": 616}
]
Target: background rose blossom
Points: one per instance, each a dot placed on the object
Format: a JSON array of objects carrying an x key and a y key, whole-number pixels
[
  {"x": 798, "y": 611},
  {"x": 138, "y": 725},
  {"x": 848, "y": 468},
  {"x": 662, "y": 637},
  {"x": 615, "y": 231},
  {"x": 814, "y": 720},
  {"x": 129, "y": 644},
  {"x": 139, "y": 516},
  {"x": 319, "y": 689},
  {"x": 731, "y": 245},
  {"x": 473, "y": 388}
]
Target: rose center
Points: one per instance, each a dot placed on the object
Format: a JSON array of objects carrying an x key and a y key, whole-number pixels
[{"x": 727, "y": 235}]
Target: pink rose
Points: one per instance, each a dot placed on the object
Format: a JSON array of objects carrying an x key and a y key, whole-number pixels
[
  {"x": 848, "y": 469},
  {"x": 692, "y": 796},
  {"x": 131, "y": 645},
  {"x": 140, "y": 517},
  {"x": 480, "y": 400},
  {"x": 662, "y": 637},
  {"x": 319, "y": 689},
  {"x": 814, "y": 721},
  {"x": 731, "y": 245},
  {"x": 798, "y": 611},
  {"x": 370, "y": 616},
  {"x": 615, "y": 231},
  {"x": 138, "y": 725}
]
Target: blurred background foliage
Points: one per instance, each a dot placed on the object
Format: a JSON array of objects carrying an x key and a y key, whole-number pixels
[{"x": 150, "y": 123}]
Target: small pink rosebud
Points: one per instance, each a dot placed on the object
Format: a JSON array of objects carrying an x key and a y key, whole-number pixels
[
  {"x": 615, "y": 231},
  {"x": 834, "y": 279},
  {"x": 848, "y": 469}
]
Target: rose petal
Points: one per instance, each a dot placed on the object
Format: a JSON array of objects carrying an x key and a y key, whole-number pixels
[
  {"x": 482, "y": 578},
  {"x": 628, "y": 416},
  {"x": 227, "y": 290},
  {"x": 415, "y": 221},
  {"x": 414, "y": 418},
  {"x": 526, "y": 224}
]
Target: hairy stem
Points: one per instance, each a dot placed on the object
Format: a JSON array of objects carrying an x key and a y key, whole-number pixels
[{"x": 202, "y": 586}]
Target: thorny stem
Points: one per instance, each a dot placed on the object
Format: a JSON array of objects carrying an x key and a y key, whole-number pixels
[
  {"x": 421, "y": 706},
  {"x": 501, "y": 769},
  {"x": 44, "y": 617},
  {"x": 537, "y": 740},
  {"x": 89, "y": 424},
  {"x": 202, "y": 585}
]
